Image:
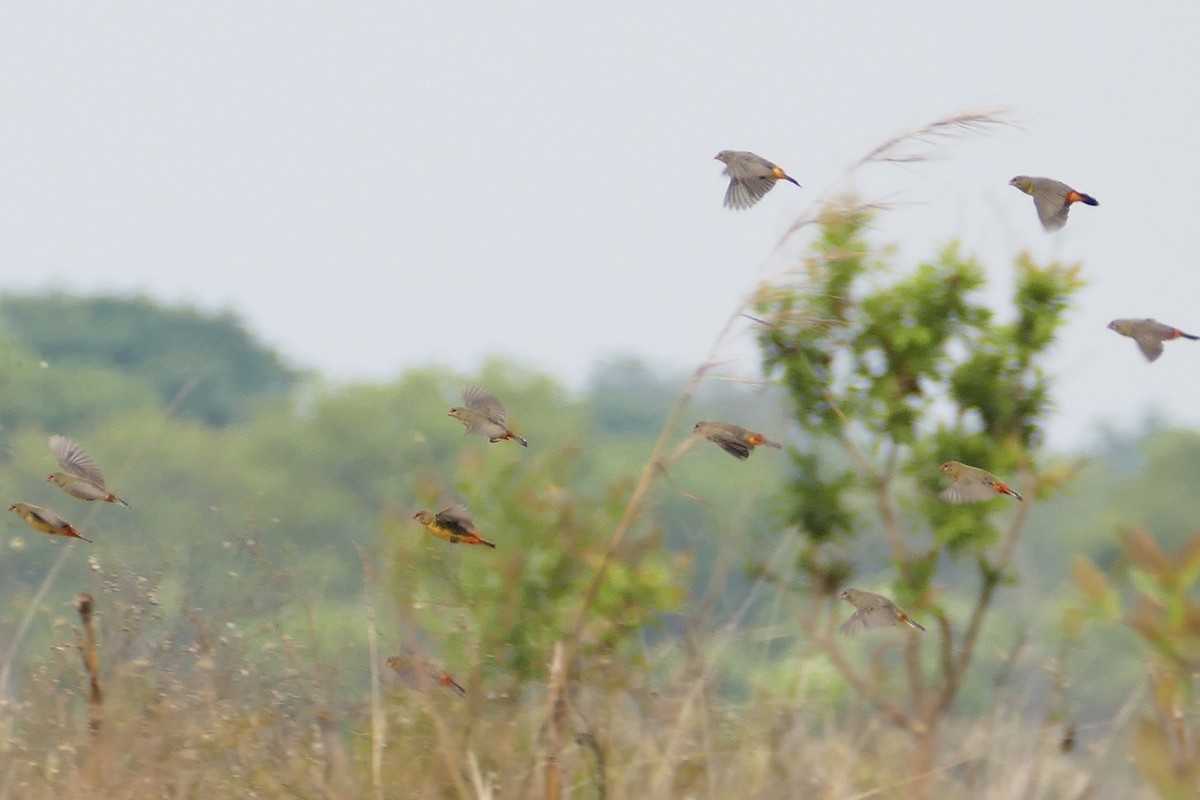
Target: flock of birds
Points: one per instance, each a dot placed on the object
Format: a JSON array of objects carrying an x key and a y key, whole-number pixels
[
  {"x": 483, "y": 414},
  {"x": 750, "y": 178},
  {"x": 80, "y": 477}
]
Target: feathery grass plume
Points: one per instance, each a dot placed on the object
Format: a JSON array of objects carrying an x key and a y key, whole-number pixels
[
  {"x": 922, "y": 143},
  {"x": 926, "y": 142}
]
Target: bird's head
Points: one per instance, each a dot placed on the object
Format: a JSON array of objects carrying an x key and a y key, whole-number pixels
[
  {"x": 722, "y": 156},
  {"x": 1022, "y": 182}
]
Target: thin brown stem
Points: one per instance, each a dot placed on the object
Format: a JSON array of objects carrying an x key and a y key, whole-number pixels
[
  {"x": 966, "y": 649},
  {"x": 555, "y": 727},
  {"x": 887, "y": 507},
  {"x": 378, "y": 726},
  {"x": 862, "y": 686}
]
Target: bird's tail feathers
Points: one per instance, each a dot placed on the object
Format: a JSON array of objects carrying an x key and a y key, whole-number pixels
[
  {"x": 1005, "y": 489},
  {"x": 70, "y": 531}
]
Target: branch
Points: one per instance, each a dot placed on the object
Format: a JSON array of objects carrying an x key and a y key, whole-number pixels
[
  {"x": 861, "y": 462},
  {"x": 916, "y": 679},
  {"x": 887, "y": 509},
  {"x": 861, "y": 685},
  {"x": 881, "y": 480},
  {"x": 966, "y": 650}
]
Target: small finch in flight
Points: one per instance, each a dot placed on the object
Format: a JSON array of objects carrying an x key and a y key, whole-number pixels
[
  {"x": 874, "y": 611},
  {"x": 971, "y": 484},
  {"x": 483, "y": 414},
  {"x": 454, "y": 524},
  {"x": 733, "y": 439},
  {"x": 750, "y": 177},
  {"x": 1149, "y": 334},
  {"x": 1052, "y": 199},
  {"x": 45, "y": 520},
  {"x": 414, "y": 670},
  {"x": 83, "y": 478}
]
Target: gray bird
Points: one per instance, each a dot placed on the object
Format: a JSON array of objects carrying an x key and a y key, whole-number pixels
[
  {"x": 485, "y": 415},
  {"x": 873, "y": 611},
  {"x": 750, "y": 177},
  {"x": 82, "y": 477},
  {"x": 1052, "y": 199},
  {"x": 1149, "y": 334},
  {"x": 739, "y": 442}
]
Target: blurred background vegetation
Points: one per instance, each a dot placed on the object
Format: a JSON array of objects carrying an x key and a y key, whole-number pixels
[{"x": 268, "y": 566}]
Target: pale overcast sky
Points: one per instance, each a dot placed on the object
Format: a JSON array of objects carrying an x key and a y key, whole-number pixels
[{"x": 374, "y": 186}]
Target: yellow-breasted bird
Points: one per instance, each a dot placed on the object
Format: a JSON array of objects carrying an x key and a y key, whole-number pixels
[
  {"x": 453, "y": 524},
  {"x": 82, "y": 478},
  {"x": 733, "y": 439},
  {"x": 1052, "y": 199},
  {"x": 483, "y": 414},
  {"x": 1149, "y": 334},
  {"x": 45, "y": 520},
  {"x": 416, "y": 671},
  {"x": 750, "y": 177},
  {"x": 873, "y": 611},
  {"x": 971, "y": 484}
]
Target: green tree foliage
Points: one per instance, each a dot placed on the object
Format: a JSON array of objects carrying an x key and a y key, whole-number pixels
[
  {"x": 208, "y": 365},
  {"x": 628, "y": 397},
  {"x": 890, "y": 376},
  {"x": 270, "y": 519},
  {"x": 513, "y": 603},
  {"x": 62, "y": 397}
]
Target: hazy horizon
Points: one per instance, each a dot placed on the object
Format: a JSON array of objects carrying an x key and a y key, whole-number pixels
[{"x": 390, "y": 186}]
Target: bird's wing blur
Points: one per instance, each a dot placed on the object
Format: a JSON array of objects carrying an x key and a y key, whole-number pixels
[
  {"x": 457, "y": 516},
  {"x": 71, "y": 458},
  {"x": 1050, "y": 200},
  {"x": 486, "y": 403}
]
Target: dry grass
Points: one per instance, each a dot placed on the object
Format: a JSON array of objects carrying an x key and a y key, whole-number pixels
[
  {"x": 193, "y": 706},
  {"x": 207, "y": 729}
]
